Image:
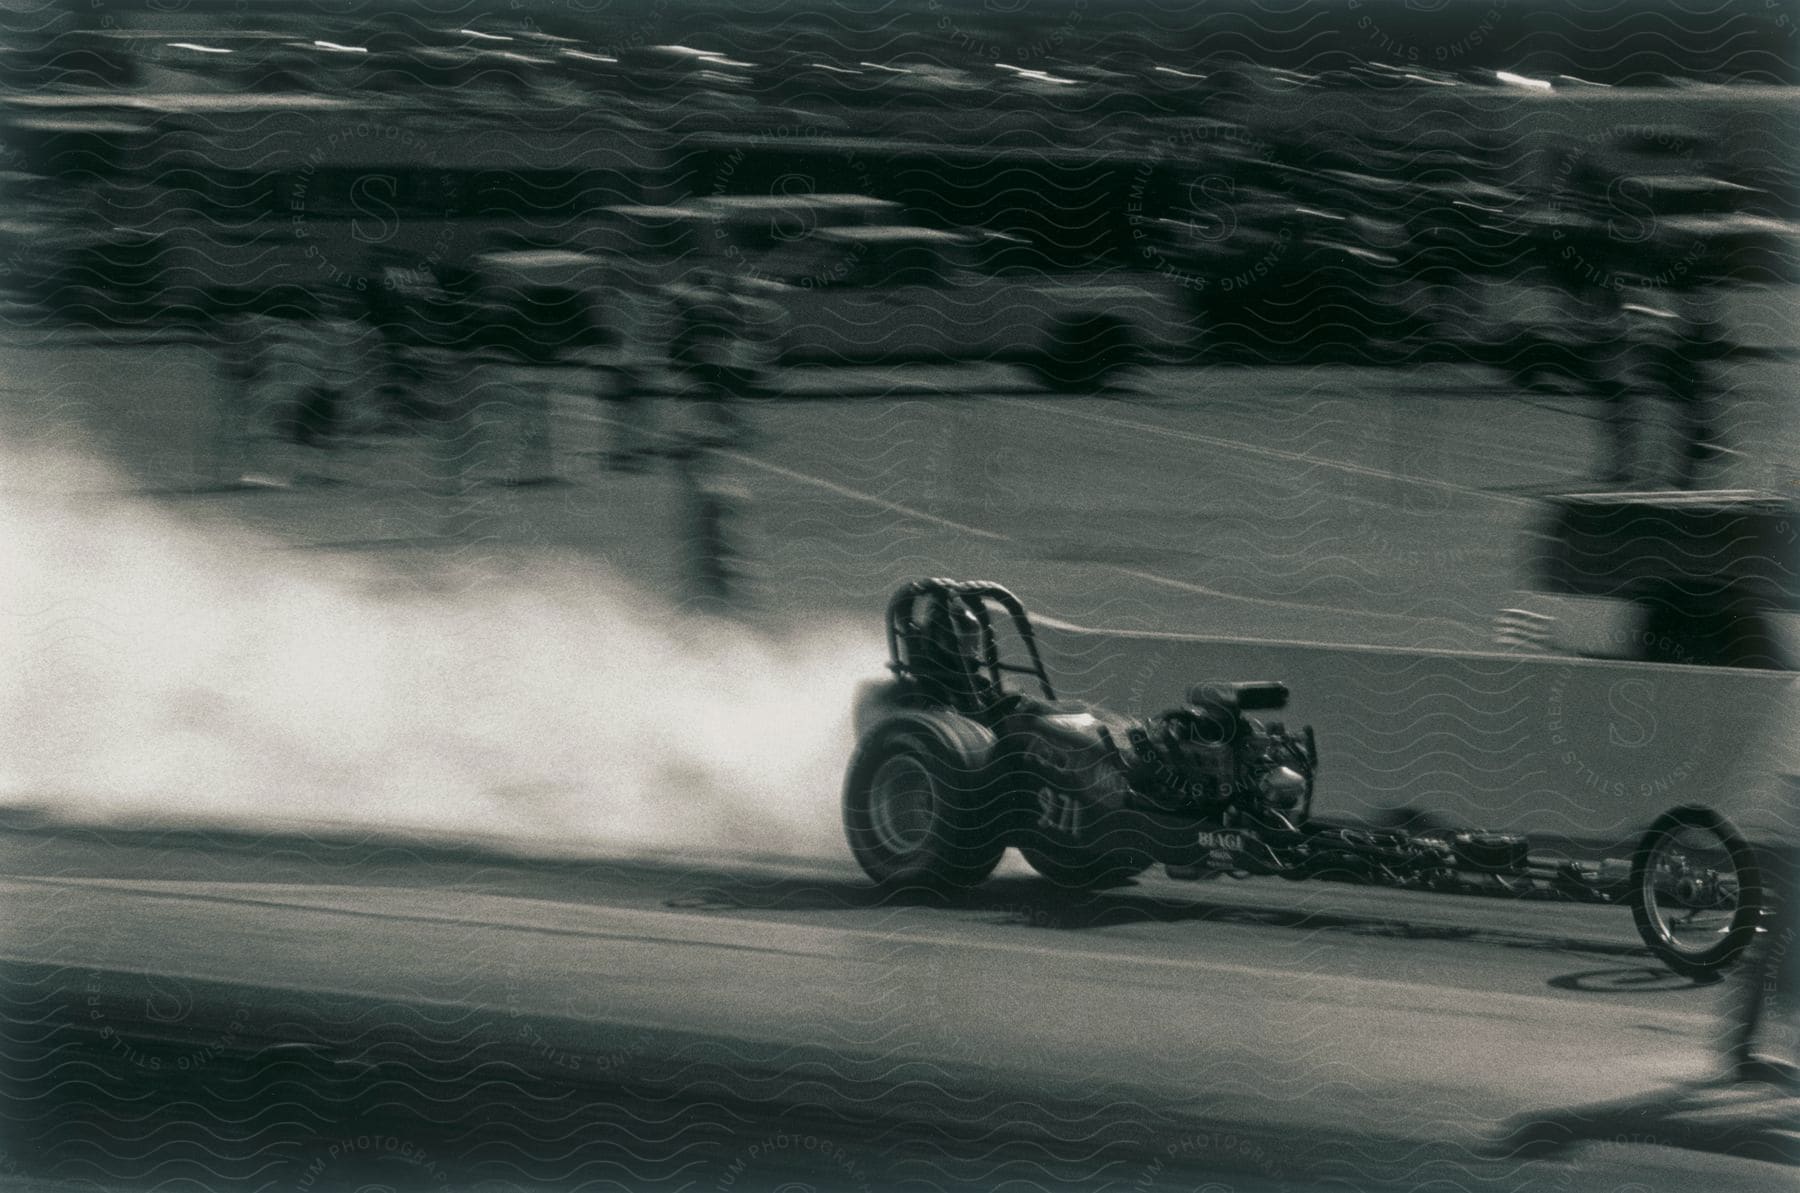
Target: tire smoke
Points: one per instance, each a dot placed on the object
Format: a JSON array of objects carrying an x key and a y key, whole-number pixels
[{"x": 157, "y": 670}]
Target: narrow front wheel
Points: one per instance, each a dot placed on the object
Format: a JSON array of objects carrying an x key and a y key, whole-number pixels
[{"x": 1696, "y": 893}]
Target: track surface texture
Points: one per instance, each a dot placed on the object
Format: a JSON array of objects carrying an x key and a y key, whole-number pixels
[{"x": 287, "y": 1011}]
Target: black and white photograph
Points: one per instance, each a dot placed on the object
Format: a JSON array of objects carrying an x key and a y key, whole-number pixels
[{"x": 899, "y": 596}]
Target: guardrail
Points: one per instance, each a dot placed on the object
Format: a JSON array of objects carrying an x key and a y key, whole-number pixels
[{"x": 1582, "y": 751}]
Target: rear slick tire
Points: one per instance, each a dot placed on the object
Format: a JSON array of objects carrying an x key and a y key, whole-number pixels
[{"x": 919, "y": 807}]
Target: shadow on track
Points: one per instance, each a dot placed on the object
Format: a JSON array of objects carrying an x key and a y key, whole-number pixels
[
  {"x": 750, "y": 884},
  {"x": 134, "y": 1080},
  {"x": 256, "y": 1088},
  {"x": 1037, "y": 903},
  {"x": 1646, "y": 979},
  {"x": 1745, "y": 1120}
]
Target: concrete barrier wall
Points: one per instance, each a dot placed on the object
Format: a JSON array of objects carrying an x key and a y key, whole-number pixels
[{"x": 1585, "y": 751}]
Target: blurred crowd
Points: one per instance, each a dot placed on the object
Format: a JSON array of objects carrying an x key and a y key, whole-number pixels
[
  {"x": 1373, "y": 212},
  {"x": 315, "y": 366}
]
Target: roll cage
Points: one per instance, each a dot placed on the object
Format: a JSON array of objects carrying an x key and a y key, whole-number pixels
[{"x": 917, "y": 650}]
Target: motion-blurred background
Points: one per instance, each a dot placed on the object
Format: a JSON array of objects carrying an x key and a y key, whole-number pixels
[
  {"x": 445, "y": 447},
  {"x": 1575, "y": 250}
]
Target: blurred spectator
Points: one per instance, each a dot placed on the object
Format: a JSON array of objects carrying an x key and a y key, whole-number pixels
[
  {"x": 1761, "y": 1019},
  {"x": 626, "y": 386},
  {"x": 243, "y": 346},
  {"x": 712, "y": 513},
  {"x": 1762, "y": 1014},
  {"x": 394, "y": 301},
  {"x": 755, "y": 337},
  {"x": 348, "y": 367},
  {"x": 442, "y": 320},
  {"x": 243, "y": 352},
  {"x": 1581, "y": 261},
  {"x": 313, "y": 416},
  {"x": 315, "y": 370},
  {"x": 492, "y": 346},
  {"x": 447, "y": 309},
  {"x": 1685, "y": 338},
  {"x": 718, "y": 328},
  {"x": 705, "y": 340},
  {"x": 291, "y": 361},
  {"x": 1598, "y": 317},
  {"x": 725, "y": 329},
  {"x": 525, "y": 330}
]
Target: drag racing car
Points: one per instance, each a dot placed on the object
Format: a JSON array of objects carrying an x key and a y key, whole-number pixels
[{"x": 963, "y": 753}]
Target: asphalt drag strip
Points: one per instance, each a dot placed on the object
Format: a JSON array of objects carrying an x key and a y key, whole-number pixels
[{"x": 284, "y": 1012}]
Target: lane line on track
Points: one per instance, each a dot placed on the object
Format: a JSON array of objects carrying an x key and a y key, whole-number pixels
[
  {"x": 867, "y": 498},
  {"x": 1202, "y": 590},
  {"x": 731, "y": 932},
  {"x": 1776, "y": 679},
  {"x": 819, "y": 482},
  {"x": 1257, "y": 449},
  {"x": 1116, "y": 569},
  {"x": 908, "y": 511}
]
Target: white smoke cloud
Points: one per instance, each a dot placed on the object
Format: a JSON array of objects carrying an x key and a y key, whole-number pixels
[{"x": 152, "y": 668}]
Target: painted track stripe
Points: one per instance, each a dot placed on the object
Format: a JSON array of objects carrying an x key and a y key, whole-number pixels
[
  {"x": 1257, "y": 449},
  {"x": 907, "y": 511},
  {"x": 706, "y": 930},
  {"x": 867, "y": 498},
  {"x": 1273, "y": 602}
]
